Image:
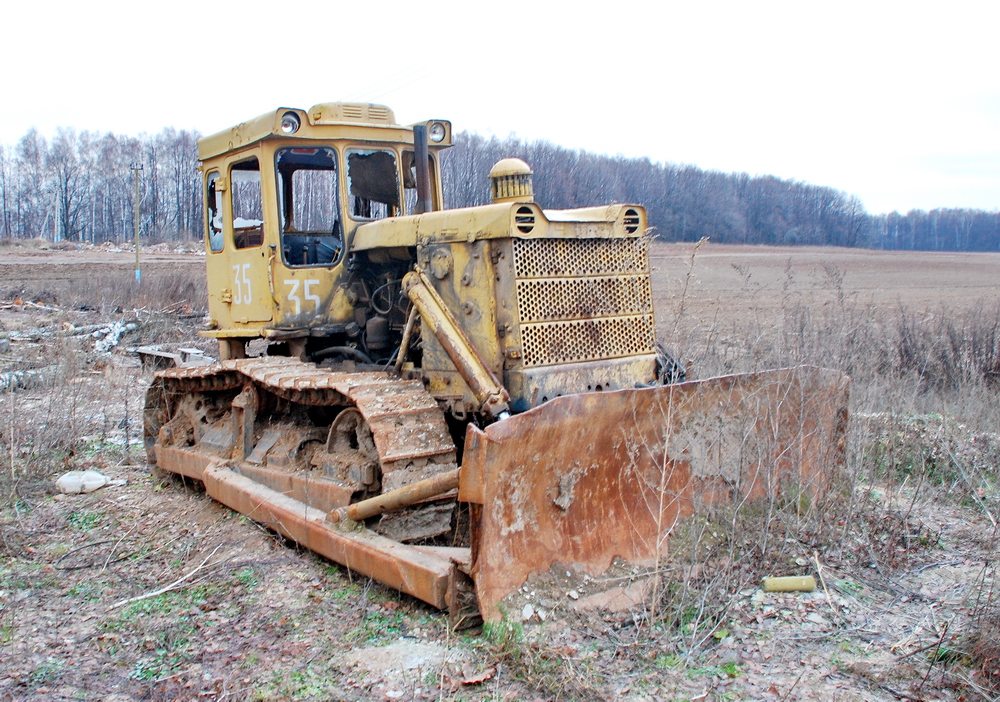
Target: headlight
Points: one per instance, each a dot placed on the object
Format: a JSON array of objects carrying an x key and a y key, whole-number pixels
[
  {"x": 290, "y": 123},
  {"x": 436, "y": 132}
]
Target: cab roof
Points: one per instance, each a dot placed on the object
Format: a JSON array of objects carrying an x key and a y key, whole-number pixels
[{"x": 327, "y": 120}]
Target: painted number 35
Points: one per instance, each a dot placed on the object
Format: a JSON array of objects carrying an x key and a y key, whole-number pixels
[
  {"x": 243, "y": 294},
  {"x": 307, "y": 294}
]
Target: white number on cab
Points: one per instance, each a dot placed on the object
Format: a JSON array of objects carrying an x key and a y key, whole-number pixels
[
  {"x": 307, "y": 293},
  {"x": 241, "y": 282}
]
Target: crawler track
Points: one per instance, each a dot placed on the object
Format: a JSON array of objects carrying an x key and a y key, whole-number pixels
[
  {"x": 406, "y": 424},
  {"x": 262, "y": 435}
]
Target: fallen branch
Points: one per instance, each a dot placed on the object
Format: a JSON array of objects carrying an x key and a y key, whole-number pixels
[
  {"x": 115, "y": 548},
  {"x": 175, "y": 585},
  {"x": 822, "y": 580},
  {"x": 25, "y": 303},
  {"x": 93, "y": 544},
  {"x": 38, "y": 306},
  {"x": 21, "y": 380},
  {"x": 96, "y": 330}
]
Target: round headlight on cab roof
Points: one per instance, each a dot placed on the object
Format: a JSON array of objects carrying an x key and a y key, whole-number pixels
[
  {"x": 436, "y": 132},
  {"x": 290, "y": 123}
]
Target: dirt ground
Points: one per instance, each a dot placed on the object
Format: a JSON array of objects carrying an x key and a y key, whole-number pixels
[
  {"x": 154, "y": 592},
  {"x": 726, "y": 280}
]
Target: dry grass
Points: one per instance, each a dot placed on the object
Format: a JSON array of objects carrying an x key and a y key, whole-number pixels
[
  {"x": 159, "y": 290},
  {"x": 86, "y": 401},
  {"x": 111, "y": 291},
  {"x": 923, "y": 430}
]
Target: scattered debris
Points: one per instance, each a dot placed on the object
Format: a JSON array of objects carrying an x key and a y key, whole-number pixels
[
  {"x": 108, "y": 338},
  {"x": 108, "y": 333},
  {"x": 156, "y": 357},
  {"x": 20, "y": 380}
]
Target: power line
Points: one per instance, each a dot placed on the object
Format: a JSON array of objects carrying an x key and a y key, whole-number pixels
[{"x": 374, "y": 91}]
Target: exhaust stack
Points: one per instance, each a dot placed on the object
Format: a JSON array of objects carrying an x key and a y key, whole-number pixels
[{"x": 420, "y": 155}]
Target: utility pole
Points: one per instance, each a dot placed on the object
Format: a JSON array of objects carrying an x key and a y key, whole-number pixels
[{"x": 136, "y": 171}]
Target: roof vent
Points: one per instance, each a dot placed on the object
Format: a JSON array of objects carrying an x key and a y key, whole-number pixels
[
  {"x": 379, "y": 113},
  {"x": 510, "y": 181},
  {"x": 340, "y": 112},
  {"x": 353, "y": 111}
]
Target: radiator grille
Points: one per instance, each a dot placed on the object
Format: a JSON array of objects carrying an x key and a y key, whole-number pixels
[
  {"x": 549, "y": 343},
  {"x": 555, "y": 299},
  {"x": 583, "y": 299},
  {"x": 551, "y": 258}
]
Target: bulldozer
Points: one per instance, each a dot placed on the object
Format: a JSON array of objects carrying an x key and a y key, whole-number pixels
[{"x": 452, "y": 400}]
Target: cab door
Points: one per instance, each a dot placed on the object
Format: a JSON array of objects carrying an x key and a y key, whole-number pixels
[{"x": 242, "y": 275}]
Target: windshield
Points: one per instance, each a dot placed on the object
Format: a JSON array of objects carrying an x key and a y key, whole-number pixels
[{"x": 311, "y": 231}]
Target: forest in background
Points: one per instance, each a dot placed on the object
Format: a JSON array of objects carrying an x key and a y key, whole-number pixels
[{"x": 79, "y": 187}]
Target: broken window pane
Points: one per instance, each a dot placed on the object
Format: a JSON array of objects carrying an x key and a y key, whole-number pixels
[
  {"x": 214, "y": 199},
  {"x": 410, "y": 183},
  {"x": 373, "y": 184}
]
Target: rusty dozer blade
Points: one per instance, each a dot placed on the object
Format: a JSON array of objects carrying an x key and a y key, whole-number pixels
[{"x": 584, "y": 479}]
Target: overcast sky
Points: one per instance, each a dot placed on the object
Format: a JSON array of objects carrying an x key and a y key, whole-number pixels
[{"x": 896, "y": 102}]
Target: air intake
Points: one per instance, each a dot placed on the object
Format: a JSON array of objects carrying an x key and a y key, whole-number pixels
[
  {"x": 632, "y": 221},
  {"x": 510, "y": 181}
]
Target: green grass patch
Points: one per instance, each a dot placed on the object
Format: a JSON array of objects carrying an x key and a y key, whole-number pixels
[
  {"x": 304, "y": 684},
  {"x": 84, "y": 521},
  {"x": 378, "y": 627}
]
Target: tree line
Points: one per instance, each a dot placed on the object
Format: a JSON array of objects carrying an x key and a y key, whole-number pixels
[
  {"x": 686, "y": 203},
  {"x": 79, "y": 187}
]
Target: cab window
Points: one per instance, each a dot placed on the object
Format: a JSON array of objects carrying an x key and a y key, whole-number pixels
[
  {"x": 372, "y": 184},
  {"x": 214, "y": 200},
  {"x": 311, "y": 230},
  {"x": 248, "y": 207}
]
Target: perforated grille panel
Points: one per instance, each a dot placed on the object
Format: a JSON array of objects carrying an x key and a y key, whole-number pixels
[
  {"x": 553, "y": 299},
  {"x": 586, "y": 340},
  {"x": 551, "y": 258},
  {"x": 583, "y": 299}
]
